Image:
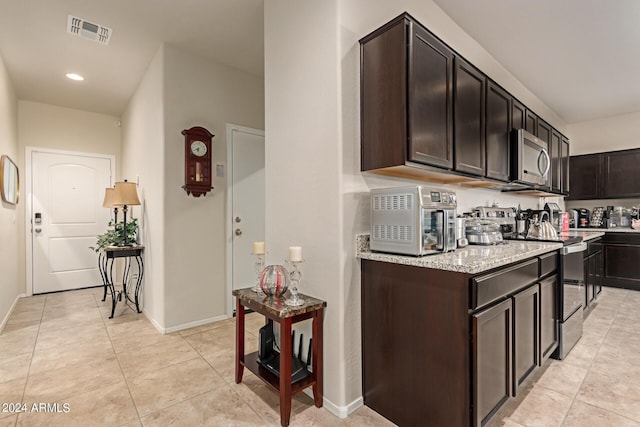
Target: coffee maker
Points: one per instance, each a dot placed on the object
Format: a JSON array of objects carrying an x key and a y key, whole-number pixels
[{"x": 583, "y": 218}]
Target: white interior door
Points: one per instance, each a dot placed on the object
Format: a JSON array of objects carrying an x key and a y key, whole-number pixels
[
  {"x": 246, "y": 190},
  {"x": 67, "y": 215}
]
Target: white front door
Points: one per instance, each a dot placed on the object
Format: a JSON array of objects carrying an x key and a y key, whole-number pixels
[
  {"x": 67, "y": 191},
  {"x": 246, "y": 199}
]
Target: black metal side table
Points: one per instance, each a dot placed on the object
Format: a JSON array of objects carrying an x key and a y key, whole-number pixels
[{"x": 106, "y": 261}]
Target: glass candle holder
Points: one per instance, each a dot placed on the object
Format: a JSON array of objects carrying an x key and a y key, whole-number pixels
[
  {"x": 258, "y": 266},
  {"x": 295, "y": 277}
]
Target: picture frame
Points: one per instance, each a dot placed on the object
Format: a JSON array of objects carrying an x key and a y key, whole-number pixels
[{"x": 9, "y": 180}]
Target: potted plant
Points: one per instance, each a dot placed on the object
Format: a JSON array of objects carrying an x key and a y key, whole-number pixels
[{"x": 114, "y": 236}]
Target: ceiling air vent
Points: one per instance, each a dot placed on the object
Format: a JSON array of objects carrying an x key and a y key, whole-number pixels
[{"x": 88, "y": 30}]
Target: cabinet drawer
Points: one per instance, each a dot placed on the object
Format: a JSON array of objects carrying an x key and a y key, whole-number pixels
[
  {"x": 548, "y": 263},
  {"x": 493, "y": 286}
]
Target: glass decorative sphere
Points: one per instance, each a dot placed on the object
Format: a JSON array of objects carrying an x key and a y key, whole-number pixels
[{"x": 274, "y": 280}]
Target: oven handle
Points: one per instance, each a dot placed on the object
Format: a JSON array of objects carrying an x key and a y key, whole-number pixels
[
  {"x": 440, "y": 230},
  {"x": 572, "y": 249}
]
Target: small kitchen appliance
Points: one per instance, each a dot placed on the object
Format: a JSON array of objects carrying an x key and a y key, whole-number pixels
[
  {"x": 583, "y": 218},
  {"x": 483, "y": 232},
  {"x": 415, "y": 220}
]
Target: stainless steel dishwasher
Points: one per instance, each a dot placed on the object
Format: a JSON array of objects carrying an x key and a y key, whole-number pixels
[{"x": 570, "y": 297}]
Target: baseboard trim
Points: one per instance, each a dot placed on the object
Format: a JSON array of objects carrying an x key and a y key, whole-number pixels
[
  {"x": 338, "y": 411},
  {"x": 177, "y": 328},
  {"x": 13, "y": 306},
  {"x": 196, "y": 323}
]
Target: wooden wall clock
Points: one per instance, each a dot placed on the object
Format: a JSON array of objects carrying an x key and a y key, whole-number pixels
[{"x": 197, "y": 161}]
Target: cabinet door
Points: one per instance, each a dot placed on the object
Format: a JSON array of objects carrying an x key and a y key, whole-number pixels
[
  {"x": 430, "y": 100},
  {"x": 544, "y": 133},
  {"x": 584, "y": 175},
  {"x": 620, "y": 171},
  {"x": 492, "y": 384},
  {"x": 599, "y": 270},
  {"x": 526, "y": 334},
  {"x": 498, "y": 132},
  {"x": 469, "y": 123},
  {"x": 555, "y": 152},
  {"x": 548, "y": 317},
  {"x": 518, "y": 114},
  {"x": 621, "y": 266},
  {"x": 531, "y": 123},
  {"x": 564, "y": 172},
  {"x": 588, "y": 281}
]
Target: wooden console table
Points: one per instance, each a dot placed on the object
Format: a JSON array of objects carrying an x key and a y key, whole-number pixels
[
  {"x": 276, "y": 310},
  {"x": 105, "y": 262}
]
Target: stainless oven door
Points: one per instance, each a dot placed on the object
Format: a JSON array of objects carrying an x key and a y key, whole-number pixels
[{"x": 433, "y": 221}]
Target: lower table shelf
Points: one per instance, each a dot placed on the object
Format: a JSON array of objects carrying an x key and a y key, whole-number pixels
[{"x": 251, "y": 363}]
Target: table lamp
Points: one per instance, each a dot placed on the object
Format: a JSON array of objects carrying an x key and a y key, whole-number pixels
[
  {"x": 125, "y": 194},
  {"x": 109, "y": 196}
]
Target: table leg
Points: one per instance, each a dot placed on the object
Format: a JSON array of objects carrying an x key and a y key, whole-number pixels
[
  {"x": 139, "y": 282},
  {"x": 316, "y": 357},
  {"x": 239, "y": 341},
  {"x": 285, "y": 371},
  {"x": 112, "y": 287},
  {"x": 102, "y": 266}
]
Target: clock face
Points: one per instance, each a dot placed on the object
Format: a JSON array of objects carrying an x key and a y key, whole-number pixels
[{"x": 198, "y": 148}]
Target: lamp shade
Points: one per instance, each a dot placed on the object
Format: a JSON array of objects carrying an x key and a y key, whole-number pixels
[
  {"x": 109, "y": 195},
  {"x": 125, "y": 193}
]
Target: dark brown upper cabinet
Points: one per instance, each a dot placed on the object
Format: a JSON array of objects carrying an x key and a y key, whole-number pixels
[
  {"x": 518, "y": 114},
  {"x": 469, "y": 118},
  {"x": 498, "y": 125},
  {"x": 585, "y": 176},
  {"x": 531, "y": 122},
  {"x": 609, "y": 175},
  {"x": 555, "y": 152},
  {"x": 564, "y": 172},
  {"x": 621, "y": 177},
  {"x": 406, "y": 97}
]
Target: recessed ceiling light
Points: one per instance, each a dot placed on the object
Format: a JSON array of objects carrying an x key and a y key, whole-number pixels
[{"x": 74, "y": 76}]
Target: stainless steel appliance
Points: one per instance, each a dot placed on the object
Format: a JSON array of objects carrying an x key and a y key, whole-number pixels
[
  {"x": 483, "y": 232},
  {"x": 554, "y": 215},
  {"x": 530, "y": 163},
  {"x": 414, "y": 220},
  {"x": 461, "y": 234},
  {"x": 505, "y": 217},
  {"x": 570, "y": 297}
]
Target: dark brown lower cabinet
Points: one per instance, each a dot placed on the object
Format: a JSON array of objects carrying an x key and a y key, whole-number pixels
[
  {"x": 526, "y": 335},
  {"x": 621, "y": 259},
  {"x": 492, "y": 348},
  {"x": 548, "y": 317}
]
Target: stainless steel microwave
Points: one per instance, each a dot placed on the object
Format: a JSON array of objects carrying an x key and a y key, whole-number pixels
[
  {"x": 413, "y": 220},
  {"x": 530, "y": 162}
]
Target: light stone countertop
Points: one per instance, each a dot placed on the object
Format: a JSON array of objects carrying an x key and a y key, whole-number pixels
[
  {"x": 585, "y": 233},
  {"x": 473, "y": 259},
  {"x": 608, "y": 230}
]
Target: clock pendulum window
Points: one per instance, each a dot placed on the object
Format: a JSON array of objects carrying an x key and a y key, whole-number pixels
[{"x": 197, "y": 158}]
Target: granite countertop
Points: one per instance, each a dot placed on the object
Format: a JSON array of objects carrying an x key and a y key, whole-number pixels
[
  {"x": 585, "y": 233},
  {"x": 608, "y": 230},
  {"x": 276, "y": 305},
  {"x": 473, "y": 259}
]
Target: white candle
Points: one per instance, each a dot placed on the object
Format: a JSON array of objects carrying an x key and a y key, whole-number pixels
[
  {"x": 295, "y": 253},
  {"x": 258, "y": 248}
]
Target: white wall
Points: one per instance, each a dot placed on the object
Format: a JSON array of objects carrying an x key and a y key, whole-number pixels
[
  {"x": 184, "y": 236},
  {"x": 199, "y": 92},
  {"x": 143, "y": 157},
  {"x": 312, "y": 115},
  {"x": 609, "y": 134},
  {"x": 11, "y": 281}
]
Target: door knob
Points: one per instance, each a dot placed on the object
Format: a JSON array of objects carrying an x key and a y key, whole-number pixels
[
  {"x": 38, "y": 229},
  {"x": 238, "y": 232}
]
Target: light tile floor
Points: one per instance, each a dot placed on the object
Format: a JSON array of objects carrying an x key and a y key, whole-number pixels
[{"x": 61, "y": 348}]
